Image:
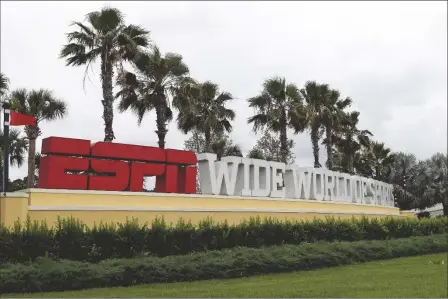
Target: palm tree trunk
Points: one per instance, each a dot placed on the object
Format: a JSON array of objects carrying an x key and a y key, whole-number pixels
[
  {"x": 207, "y": 141},
  {"x": 108, "y": 99},
  {"x": 31, "y": 162},
  {"x": 161, "y": 125},
  {"x": 315, "y": 144},
  {"x": 329, "y": 135},
  {"x": 283, "y": 144}
]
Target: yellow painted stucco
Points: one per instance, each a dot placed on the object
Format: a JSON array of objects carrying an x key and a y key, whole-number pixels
[{"x": 94, "y": 207}]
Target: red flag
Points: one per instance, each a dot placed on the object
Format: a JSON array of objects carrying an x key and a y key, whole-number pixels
[{"x": 19, "y": 119}]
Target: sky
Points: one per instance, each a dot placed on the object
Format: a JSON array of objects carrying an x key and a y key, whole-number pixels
[{"x": 389, "y": 57}]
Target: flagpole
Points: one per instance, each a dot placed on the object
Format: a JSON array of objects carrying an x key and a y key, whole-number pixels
[{"x": 6, "y": 112}]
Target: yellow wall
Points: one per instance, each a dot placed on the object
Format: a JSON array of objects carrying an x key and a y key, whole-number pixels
[{"x": 98, "y": 206}]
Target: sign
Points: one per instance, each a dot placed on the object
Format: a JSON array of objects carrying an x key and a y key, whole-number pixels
[
  {"x": 236, "y": 176},
  {"x": 78, "y": 164}
]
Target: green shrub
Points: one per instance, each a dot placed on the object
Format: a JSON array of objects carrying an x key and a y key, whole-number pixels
[
  {"x": 71, "y": 239},
  {"x": 49, "y": 275}
]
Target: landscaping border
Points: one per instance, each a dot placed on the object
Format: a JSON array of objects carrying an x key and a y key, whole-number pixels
[
  {"x": 48, "y": 275},
  {"x": 72, "y": 240}
]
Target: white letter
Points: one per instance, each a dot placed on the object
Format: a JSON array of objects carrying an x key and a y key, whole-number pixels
[
  {"x": 243, "y": 184},
  {"x": 212, "y": 183},
  {"x": 318, "y": 189},
  {"x": 329, "y": 185},
  {"x": 277, "y": 172},
  {"x": 262, "y": 178}
]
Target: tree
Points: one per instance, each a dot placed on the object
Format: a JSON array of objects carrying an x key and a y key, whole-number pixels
[
  {"x": 156, "y": 78},
  {"x": 4, "y": 84},
  {"x": 349, "y": 140},
  {"x": 104, "y": 36},
  {"x": 221, "y": 145},
  {"x": 315, "y": 96},
  {"x": 43, "y": 105},
  {"x": 17, "y": 150},
  {"x": 382, "y": 160},
  {"x": 205, "y": 112},
  {"x": 277, "y": 108},
  {"x": 224, "y": 147},
  {"x": 268, "y": 148},
  {"x": 432, "y": 181},
  {"x": 332, "y": 114}
]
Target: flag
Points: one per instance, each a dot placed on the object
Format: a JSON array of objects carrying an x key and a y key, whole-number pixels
[{"x": 19, "y": 119}]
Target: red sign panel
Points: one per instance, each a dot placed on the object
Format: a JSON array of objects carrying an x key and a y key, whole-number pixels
[{"x": 78, "y": 164}]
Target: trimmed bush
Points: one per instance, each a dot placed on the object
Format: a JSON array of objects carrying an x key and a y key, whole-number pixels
[
  {"x": 49, "y": 275},
  {"x": 73, "y": 240}
]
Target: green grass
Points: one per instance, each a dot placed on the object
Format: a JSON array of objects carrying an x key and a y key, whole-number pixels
[{"x": 422, "y": 276}]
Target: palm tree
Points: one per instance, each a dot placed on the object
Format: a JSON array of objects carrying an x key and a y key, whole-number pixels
[
  {"x": 105, "y": 36},
  {"x": 156, "y": 78},
  {"x": 382, "y": 160},
  {"x": 17, "y": 149},
  {"x": 350, "y": 140},
  {"x": 332, "y": 115},
  {"x": 316, "y": 96},
  {"x": 277, "y": 108},
  {"x": 205, "y": 112},
  {"x": 43, "y": 105},
  {"x": 4, "y": 84}
]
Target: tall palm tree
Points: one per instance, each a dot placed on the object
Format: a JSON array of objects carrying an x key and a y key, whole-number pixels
[
  {"x": 205, "y": 112},
  {"x": 156, "y": 78},
  {"x": 350, "y": 140},
  {"x": 332, "y": 114},
  {"x": 4, "y": 84},
  {"x": 104, "y": 36},
  {"x": 316, "y": 96},
  {"x": 43, "y": 105},
  {"x": 277, "y": 108}
]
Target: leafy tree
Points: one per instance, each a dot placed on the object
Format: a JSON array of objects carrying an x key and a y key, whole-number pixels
[
  {"x": 268, "y": 148},
  {"x": 205, "y": 112},
  {"x": 156, "y": 78},
  {"x": 221, "y": 145},
  {"x": 105, "y": 36},
  {"x": 278, "y": 108},
  {"x": 4, "y": 84},
  {"x": 437, "y": 189},
  {"x": 332, "y": 115},
  {"x": 224, "y": 147},
  {"x": 43, "y": 105}
]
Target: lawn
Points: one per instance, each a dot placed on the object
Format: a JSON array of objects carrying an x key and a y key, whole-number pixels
[{"x": 421, "y": 276}]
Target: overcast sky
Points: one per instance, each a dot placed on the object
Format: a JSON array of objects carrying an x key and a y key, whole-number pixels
[{"x": 389, "y": 57}]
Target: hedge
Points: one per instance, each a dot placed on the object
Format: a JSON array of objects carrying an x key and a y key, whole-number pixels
[
  {"x": 49, "y": 275},
  {"x": 72, "y": 240}
]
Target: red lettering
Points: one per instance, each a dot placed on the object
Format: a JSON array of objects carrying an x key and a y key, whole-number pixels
[
  {"x": 114, "y": 166},
  {"x": 65, "y": 146},
  {"x": 116, "y": 182},
  {"x": 176, "y": 178},
  {"x": 140, "y": 170},
  {"x": 52, "y": 173}
]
